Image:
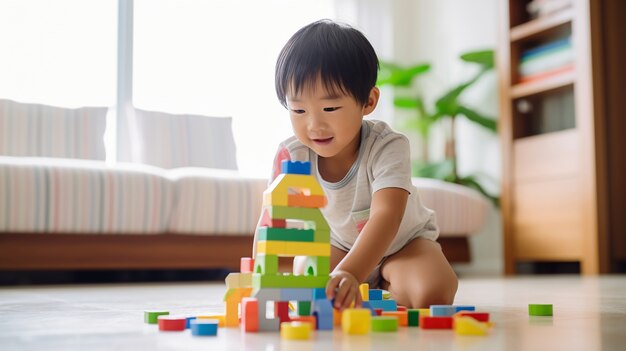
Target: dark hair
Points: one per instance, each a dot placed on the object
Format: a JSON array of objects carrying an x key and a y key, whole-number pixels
[{"x": 339, "y": 54}]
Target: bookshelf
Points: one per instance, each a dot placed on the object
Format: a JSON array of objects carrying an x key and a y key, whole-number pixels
[{"x": 563, "y": 133}]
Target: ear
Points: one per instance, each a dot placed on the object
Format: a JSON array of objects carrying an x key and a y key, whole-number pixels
[{"x": 372, "y": 101}]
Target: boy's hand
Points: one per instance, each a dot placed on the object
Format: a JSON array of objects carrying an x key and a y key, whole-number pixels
[{"x": 343, "y": 287}]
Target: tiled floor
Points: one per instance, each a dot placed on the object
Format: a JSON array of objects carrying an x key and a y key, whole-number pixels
[{"x": 589, "y": 314}]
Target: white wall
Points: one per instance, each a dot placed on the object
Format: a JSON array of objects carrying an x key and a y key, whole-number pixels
[{"x": 438, "y": 32}]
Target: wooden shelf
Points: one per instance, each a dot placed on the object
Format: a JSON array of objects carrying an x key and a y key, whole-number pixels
[
  {"x": 540, "y": 25},
  {"x": 540, "y": 86}
]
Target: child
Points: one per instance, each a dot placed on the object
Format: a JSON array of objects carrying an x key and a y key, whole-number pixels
[{"x": 380, "y": 231}]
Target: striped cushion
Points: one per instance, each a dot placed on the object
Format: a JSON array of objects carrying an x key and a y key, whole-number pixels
[
  {"x": 47, "y": 131},
  {"x": 213, "y": 201},
  {"x": 170, "y": 141},
  {"x": 460, "y": 210},
  {"x": 61, "y": 195}
]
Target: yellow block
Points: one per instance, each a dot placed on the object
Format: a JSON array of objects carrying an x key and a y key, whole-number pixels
[
  {"x": 275, "y": 199},
  {"x": 219, "y": 317},
  {"x": 469, "y": 326},
  {"x": 232, "y": 314},
  {"x": 424, "y": 312},
  {"x": 306, "y": 183},
  {"x": 365, "y": 291},
  {"x": 356, "y": 321},
  {"x": 289, "y": 248},
  {"x": 295, "y": 330}
]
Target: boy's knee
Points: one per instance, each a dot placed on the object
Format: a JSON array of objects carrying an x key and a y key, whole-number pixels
[{"x": 424, "y": 295}]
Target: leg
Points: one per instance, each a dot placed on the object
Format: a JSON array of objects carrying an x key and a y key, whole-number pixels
[{"x": 419, "y": 275}]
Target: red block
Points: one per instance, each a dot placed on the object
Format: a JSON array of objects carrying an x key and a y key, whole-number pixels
[
  {"x": 401, "y": 308},
  {"x": 428, "y": 322},
  {"x": 479, "y": 316},
  {"x": 266, "y": 221},
  {"x": 281, "y": 311},
  {"x": 172, "y": 323},
  {"x": 379, "y": 311},
  {"x": 246, "y": 265},
  {"x": 250, "y": 314}
]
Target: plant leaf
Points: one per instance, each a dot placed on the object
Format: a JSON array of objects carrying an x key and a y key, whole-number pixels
[
  {"x": 437, "y": 170},
  {"x": 404, "y": 102},
  {"x": 397, "y": 76},
  {"x": 488, "y": 123},
  {"x": 481, "y": 57}
]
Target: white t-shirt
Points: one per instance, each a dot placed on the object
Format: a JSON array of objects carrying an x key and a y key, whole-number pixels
[{"x": 383, "y": 162}]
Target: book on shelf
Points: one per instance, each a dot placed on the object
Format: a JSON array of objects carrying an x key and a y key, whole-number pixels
[
  {"x": 541, "y": 8},
  {"x": 546, "y": 74},
  {"x": 546, "y": 58}
]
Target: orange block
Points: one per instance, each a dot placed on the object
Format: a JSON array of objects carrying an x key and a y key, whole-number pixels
[
  {"x": 306, "y": 319},
  {"x": 310, "y": 201},
  {"x": 403, "y": 317},
  {"x": 250, "y": 314},
  {"x": 336, "y": 317}
]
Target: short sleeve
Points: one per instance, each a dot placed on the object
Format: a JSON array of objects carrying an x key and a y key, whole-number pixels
[{"x": 391, "y": 163}]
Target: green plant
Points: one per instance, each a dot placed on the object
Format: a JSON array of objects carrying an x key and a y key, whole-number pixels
[{"x": 447, "y": 107}]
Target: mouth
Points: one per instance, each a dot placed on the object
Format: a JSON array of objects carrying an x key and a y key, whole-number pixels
[{"x": 324, "y": 141}]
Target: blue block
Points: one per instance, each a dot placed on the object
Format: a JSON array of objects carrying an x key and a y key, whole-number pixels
[
  {"x": 465, "y": 308},
  {"x": 295, "y": 167},
  {"x": 319, "y": 293},
  {"x": 204, "y": 327},
  {"x": 323, "y": 312},
  {"x": 366, "y": 304},
  {"x": 296, "y": 294},
  {"x": 385, "y": 305},
  {"x": 376, "y": 294},
  {"x": 189, "y": 319},
  {"x": 442, "y": 310}
]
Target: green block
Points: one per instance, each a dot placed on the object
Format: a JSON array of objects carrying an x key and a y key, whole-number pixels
[
  {"x": 304, "y": 308},
  {"x": 539, "y": 309},
  {"x": 317, "y": 266},
  {"x": 414, "y": 318},
  {"x": 287, "y": 281},
  {"x": 152, "y": 317},
  {"x": 384, "y": 323},
  {"x": 266, "y": 264},
  {"x": 321, "y": 236},
  {"x": 286, "y": 234},
  {"x": 302, "y": 213}
]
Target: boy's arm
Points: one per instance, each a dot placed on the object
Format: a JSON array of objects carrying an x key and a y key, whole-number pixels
[{"x": 386, "y": 212}]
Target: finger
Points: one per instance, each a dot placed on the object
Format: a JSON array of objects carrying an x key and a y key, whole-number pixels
[
  {"x": 342, "y": 295},
  {"x": 331, "y": 286}
]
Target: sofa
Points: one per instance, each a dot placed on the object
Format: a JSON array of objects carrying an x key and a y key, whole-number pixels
[{"x": 61, "y": 209}]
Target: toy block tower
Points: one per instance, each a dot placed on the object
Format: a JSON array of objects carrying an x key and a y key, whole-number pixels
[{"x": 291, "y": 225}]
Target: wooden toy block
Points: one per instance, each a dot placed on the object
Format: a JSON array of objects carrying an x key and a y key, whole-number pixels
[
  {"x": 285, "y": 234},
  {"x": 464, "y": 308},
  {"x": 469, "y": 326},
  {"x": 188, "y": 324},
  {"x": 232, "y": 281},
  {"x": 281, "y": 311},
  {"x": 479, "y": 316},
  {"x": 319, "y": 293},
  {"x": 287, "y": 281},
  {"x": 318, "y": 266},
  {"x": 424, "y": 311},
  {"x": 384, "y": 324},
  {"x": 306, "y": 214},
  {"x": 375, "y": 294},
  {"x": 288, "y": 248},
  {"x": 403, "y": 317},
  {"x": 402, "y": 308},
  {"x": 152, "y": 317},
  {"x": 266, "y": 324},
  {"x": 277, "y": 198},
  {"x": 386, "y": 295},
  {"x": 427, "y": 322},
  {"x": 295, "y": 330},
  {"x": 336, "y": 316},
  {"x": 171, "y": 323},
  {"x": 323, "y": 312},
  {"x": 310, "y": 201},
  {"x": 320, "y": 235},
  {"x": 306, "y": 184},
  {"x": 205, "y": 327},
  {"x": 356, "y": 321},
  {"x": 304, "y": 307},
  {"x": 265, "y": 263},
  {"x": 295, "y": 167},
  {"x": 308, "y": 319},
  {"x": 413, "y": 317},
  {"x": 442, "y": 310},
  {"x": 232, "y": 309},
  {"x": 539, "y": 309},
  {"x": 245, "y": 282},
  {"x": 267, "y": 221},
  {"x": 386, "y": 305},
  {"x": 379, "y": 311},
  {"x": 220, "y": 318},
  {"x": 296, "y": 294},
  {"x": 250, "y": 314},
  {"x": 365, "y": 291},
  {"x": 367, "y": 305},
  {"x": 246, "y": 265}
]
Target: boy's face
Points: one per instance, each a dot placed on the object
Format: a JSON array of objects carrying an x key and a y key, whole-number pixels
[{"x": 328, "y": 123}]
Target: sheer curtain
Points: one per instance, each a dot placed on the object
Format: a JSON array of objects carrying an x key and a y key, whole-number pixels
[{"x": 216, "y": 58}]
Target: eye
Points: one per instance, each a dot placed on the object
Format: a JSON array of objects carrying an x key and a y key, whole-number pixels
[
  {"x": 331, "y": 109},
  {"x": 298, "y": 112}
]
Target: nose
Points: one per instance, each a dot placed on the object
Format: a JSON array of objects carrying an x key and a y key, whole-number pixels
[{"x": 316, "y": 122}]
